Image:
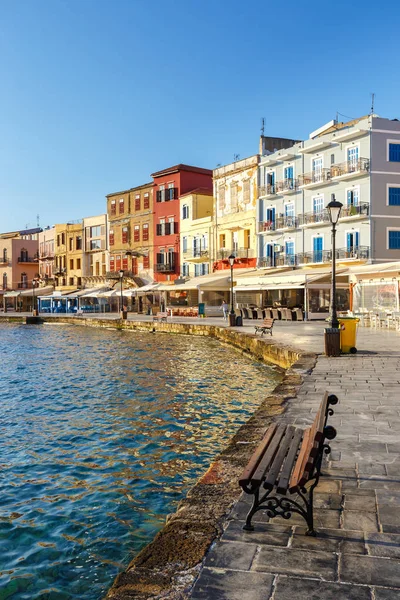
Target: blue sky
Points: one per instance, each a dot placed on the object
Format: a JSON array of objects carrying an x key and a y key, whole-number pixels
[{"x": 98, "y": 94}]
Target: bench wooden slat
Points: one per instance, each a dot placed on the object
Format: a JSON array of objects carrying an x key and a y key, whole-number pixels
[
  {"x": 321, "y": 419},
  {"x": 283, "y": 482},
  {"x": 280, "y": 456},
  {"x": 257, "y": 455},
  {"x": 269, "y": 455},
  {"x": 300, "y": 459}
]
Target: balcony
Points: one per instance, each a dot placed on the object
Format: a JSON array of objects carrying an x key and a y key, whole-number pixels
[
  {"x": 224, "y": 254},
  {"x": 266, "y": 226},
  {"x": 350, "y": 169},
  {"x": 195, "y": 254},
  {"x": 287, "y": 186},
  {"x": 355, "y": 211},
  {"x": 285, "y": 260},
  {"x": 318, "y": 256},
  {"x": 286, "y": 223},
  {"x": 267, "y": 190},
  {"x": 315, "y": 179},
  {"x": 314, "y": 218},
  {"x": 27, "y": 259},
  {"x": 165, "y": 267},
  {"x": 356, "y": 253}
]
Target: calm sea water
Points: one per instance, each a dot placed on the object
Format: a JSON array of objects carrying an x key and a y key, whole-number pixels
[{"x": 101, "y": 434}]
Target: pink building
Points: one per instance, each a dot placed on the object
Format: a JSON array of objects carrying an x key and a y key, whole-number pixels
[{"x": 18, "y": 259}]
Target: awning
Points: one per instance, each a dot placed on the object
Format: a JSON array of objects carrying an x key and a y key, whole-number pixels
[
  {"x": 150, "y": 287},
  {"x": 221, "y": 280},
  {"x": 92, "y": 292},
  {"x": 294, "y": 281},
  {"x": 12, "y": 294},
  {"x": 44, "y": 291}
]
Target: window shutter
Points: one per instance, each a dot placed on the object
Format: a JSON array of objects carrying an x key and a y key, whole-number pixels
[
  {"x": 158, "y": 229},
  {"x": 158, "y": 196},
  {"x": 394, "y": 196}
]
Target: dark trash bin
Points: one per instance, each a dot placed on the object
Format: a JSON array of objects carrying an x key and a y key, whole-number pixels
[
  {"x": 332, "y": 341},
  {"x": 239, "y": 321}
]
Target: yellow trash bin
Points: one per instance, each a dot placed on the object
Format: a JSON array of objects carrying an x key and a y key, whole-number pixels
[{"x": 348, "y": 334}]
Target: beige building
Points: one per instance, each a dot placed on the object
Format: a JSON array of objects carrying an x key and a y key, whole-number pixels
[
  {"x": 235, "y": 193},
  {"x": 196, "y": 232},
  {"x": 46, "y": 254},
  {"x": 131, "y": 245},
  {"x": 95, "y": 255},
  {"x": 68, "y": 255}
]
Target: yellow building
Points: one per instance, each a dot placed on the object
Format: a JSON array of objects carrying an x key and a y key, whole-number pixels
[
  {"x": 196, "y": 232},
  {"x": 68, "y": 255},
  {"x": 235, "y": 193}
]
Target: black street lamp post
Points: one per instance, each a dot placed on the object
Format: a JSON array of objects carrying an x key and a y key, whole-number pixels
[
  {"x": 232, "y": 316},
  {"x": 122, "y": 311},
  {"x": 332, "y": 336}
]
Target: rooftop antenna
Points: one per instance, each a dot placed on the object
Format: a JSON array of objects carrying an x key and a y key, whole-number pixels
[
  {"x": 37, "y": 221},
  {"x": 372, "y": 104},
  {"x": 262, "y": 126},
  {"x": 236, "y": 157}
]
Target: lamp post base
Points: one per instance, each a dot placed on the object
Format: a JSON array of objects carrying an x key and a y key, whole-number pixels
[
  {"x": 124, "y": 314},
  {"x": 232, "y": 319}
]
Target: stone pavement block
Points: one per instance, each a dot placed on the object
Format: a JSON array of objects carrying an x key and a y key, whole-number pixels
[
  {"x": 227, "y": 555},
  {"x": 330, "y": 540},
  {"x": 328, "y": 486},
  {"x": 270, "y": 534},
  {"x": 368, "y": 469},
  {"x": 303, "y": 563},
  {"x": 241, "y": 509},
  {"x": 358, "y": 520},
  {"x": 393, "y": 468},
  {"x": 216, "y": 584},
  {"x": 389, "y": 515},
  {"x": 309, "y": 589},
  {"x": 388, "y": 497},
  {"x": 322, "y": 500},
  {"x": 327, "y": 519},
  {"x": 383, "y": 544},
  {"x": 379, "y": 482},
  {"x": 370, "y": 570},
  {"x": 361, "y": 503},
  {"x": 385, "y": 594}
]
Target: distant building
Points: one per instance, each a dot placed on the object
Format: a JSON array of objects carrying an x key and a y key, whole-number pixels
[
  {"x": 196, "y": 232},
  {"x": 95, "y": 251},
  {"x": 169, "y": 185},
  {"x": 68, "y": 256},
  {"x": 46, "y": 254},
  {"x": 19, "y": 260}
]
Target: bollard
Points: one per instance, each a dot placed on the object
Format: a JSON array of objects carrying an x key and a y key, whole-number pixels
[{"x": 332, "y": 341}]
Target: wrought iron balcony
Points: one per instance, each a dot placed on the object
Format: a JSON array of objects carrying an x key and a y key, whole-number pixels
[
  {"x": 224, "y": 254},
  {"x": 165, "y": 267},
  {"x": 317, "y": 256},
  {"x": 354, "y": 211},
  {"x": 286, "y": 223},
  {"x": 287, "y": 186},
  {"x": 350, "y": 168},
  {"x": 356, "y": 252},
  {"x": 27, "y": 259},
  {"x": 187, "y": 254},
  {"x": 315, "y": 178},
  {"x": 312, "y": 218},
  {"x": 266, "y": 226},
  {"x": 267, "y": 190},
  {"x": 285, "y": 260},
  {"x": 265, "y": 262}
]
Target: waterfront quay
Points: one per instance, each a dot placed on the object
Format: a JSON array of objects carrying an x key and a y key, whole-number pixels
[{"x": 355, "y": 555}]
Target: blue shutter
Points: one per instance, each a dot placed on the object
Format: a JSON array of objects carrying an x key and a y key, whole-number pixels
[
  {"x": 317, "y": 247},
  {"x": 394, "y": 152},
  {"x": 394, "y": 196},
  {"x": 394, "y": 240}
]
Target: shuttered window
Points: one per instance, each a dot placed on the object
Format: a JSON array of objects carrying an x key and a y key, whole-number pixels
[
  {"x": 145, "y": 232},
  {"x": 394, "y": 240},
  {"x": 136, "y": 233},
  {"x": 146, "y": 201},
  {"x": 137, "y": 203},
  {"x": 111, "y": 237},
  {"x": 394, "y": 196},
  {"x": 394, "y": 152},
  {"x": 124, "y": 235}
]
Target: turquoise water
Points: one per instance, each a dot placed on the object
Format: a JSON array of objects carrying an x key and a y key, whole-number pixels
[{"x": 101, "y": 434}]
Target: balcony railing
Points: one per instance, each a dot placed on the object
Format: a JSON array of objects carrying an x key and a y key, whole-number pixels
[
  {"x": 353, "y": 211},
  {"x": 27, "y": 259},
  {"x": 317, "y": 256},
  {"x": 224, "y": 254},
  {"x": 320, "y": 176},
  {"x": 266, "y": 226},
  {"x": 359, "y": 166},
  {"x": 267, "y": 190},
  {"x": 356, "y": 252},
  {"x": 310, "y": 218},
  {"x": 286, "y": 223},
  {"x": 195, "y": 253},
  {"x": 165, "y": 267},
  {"x": 287, "y": 186}
]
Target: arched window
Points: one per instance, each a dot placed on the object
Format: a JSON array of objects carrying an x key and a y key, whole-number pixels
[
  {"x": 5, "y": 255},
  {"x": 24, "y": 255},
  {"x": 4, "y": 281}
]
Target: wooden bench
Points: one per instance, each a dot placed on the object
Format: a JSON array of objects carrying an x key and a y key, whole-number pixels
[
  {"x": 161, "y": 316},
  {"x": 266, "y": 326},
  {"x": 287, "y": 462}
]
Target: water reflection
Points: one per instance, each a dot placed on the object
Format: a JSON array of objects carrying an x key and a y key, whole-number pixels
[{"x": 101, "y": 434}]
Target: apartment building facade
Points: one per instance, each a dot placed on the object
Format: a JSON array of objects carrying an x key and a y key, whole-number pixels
[
  {"x": 68, "y": 261},
  {"x": 19, "y": 261},
  {"x": 356, "y": 162},
  {"x": 196, "y": 232},
  {"x": 130, "y": 216},
  {"x": 46, "y": 254},
  {"x": 169, "y": 185},
  {"x": 235, "y": 193},
  {"x": 95, "y": 250}
]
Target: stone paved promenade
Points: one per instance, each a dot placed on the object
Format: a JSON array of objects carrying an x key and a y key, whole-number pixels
[{"x": 356, "y": 554}]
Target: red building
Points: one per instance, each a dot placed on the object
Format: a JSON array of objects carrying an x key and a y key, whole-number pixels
[{"x": 169, "y": 184}]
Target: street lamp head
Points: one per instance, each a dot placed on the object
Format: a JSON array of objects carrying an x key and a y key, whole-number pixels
[
  {"x": 231, "y": 259},
  {"x": 334, "y": 207},
  {"x": 121, "y": 273}
]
